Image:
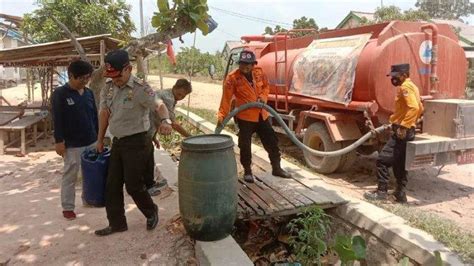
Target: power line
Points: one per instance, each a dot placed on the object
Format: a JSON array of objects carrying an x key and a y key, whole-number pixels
[
  {"x": 256, "y": 19},
  {"x": 227, "y": 33}
]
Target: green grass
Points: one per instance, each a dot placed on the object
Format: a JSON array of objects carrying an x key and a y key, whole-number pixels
[
  {"x": 443, "y": 230},
  {"x": 209, "y": 115}
]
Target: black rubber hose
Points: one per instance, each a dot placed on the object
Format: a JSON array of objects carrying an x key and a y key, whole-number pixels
[{"x": 292, "y": 136}]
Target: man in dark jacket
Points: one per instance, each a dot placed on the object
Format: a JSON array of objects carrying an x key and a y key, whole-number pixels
[{"x": 75, "y": 127}]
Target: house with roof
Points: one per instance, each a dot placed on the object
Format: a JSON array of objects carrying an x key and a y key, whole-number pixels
[
  {"x": 11, "y": 37},
  {"x": 354, "y": 19}
]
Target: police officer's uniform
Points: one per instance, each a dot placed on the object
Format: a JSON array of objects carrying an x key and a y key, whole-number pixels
[
  {"x": 129, "y": 108},
  {"x": 408, "y": 108}
]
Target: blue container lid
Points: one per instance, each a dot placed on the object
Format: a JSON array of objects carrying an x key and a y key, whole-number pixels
[{"x": 207, "y": 142}]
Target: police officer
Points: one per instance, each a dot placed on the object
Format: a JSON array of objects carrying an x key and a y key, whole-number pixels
[
  {"x": 247, "y": 84},
  {"x": 408, "y": 109},
  {"x": 125, "y": 103}
]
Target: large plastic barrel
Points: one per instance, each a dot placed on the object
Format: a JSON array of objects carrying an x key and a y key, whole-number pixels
[
  {"x": 207, "y": 178},
  {"x": 94, "y": 171}
]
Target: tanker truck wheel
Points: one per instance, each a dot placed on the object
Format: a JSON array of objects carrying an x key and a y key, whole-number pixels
[
  {"x": 347, "y": 160},
  {"x": 317, "y": 137}
]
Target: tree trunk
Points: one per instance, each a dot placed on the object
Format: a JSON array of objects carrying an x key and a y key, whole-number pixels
[
  {"x": 160, "y": 71},
  {"x": 97, "y": 83},
  {"x": 140, "y": 67},
  {"x": 28, "y": 84}
]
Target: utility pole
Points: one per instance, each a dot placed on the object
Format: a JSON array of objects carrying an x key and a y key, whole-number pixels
[{"x": 142, "y": 30}]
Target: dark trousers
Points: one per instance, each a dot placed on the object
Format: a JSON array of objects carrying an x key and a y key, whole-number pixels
[
  {"x": 128, "y": 162},
  {"x": 266, "y": 134},
  {"x": 150, "y": 170},
  {"x": 393, "y": 155}
]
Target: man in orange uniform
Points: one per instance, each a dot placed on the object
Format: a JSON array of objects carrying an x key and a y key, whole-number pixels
[
  {"x": 247, "y": 84},
  {"x": 408, "y": 108}
]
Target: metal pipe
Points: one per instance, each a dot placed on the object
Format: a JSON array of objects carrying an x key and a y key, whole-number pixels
[
  {"x": 292, "y": 136},
  {"x": 434, "y": 56}
]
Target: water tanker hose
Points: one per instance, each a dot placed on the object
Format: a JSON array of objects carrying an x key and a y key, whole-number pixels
[{"x": 292, "y": 136}]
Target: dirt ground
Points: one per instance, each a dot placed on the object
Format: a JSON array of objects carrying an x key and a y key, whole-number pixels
[{"x": 33, "y": 231}]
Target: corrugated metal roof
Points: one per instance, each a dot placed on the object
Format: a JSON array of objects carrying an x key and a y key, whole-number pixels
[
  {"x": 467, "y": 31},
  {"x": 367, "y": 15}
]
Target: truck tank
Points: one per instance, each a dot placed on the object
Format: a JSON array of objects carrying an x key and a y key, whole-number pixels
[{"x": 390, "y": 43}]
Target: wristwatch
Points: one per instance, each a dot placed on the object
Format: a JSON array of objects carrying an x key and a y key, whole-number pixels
[{"x": 166, "y": 120}]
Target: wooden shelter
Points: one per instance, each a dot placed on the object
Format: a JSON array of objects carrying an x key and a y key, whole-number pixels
[
  {"x": 59, "y": 53},
  {"x": 45, "y": 57}
]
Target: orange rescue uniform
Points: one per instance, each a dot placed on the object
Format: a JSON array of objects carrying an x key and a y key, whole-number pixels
[{"x": 237, "y": 85}]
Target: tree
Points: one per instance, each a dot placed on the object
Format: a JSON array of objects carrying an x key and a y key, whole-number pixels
[
  {"x": 389, "y": 13},
  {"x": 82, "y": 18},
  {"x": 185, "y": 16},
  {"x": 446, "y": 9},
  {"x": 191, "y": 61},
  {"x": 278, "y": 28},
  {"x": 305, "y": 23},
  {"x": 301, "y": 23}
]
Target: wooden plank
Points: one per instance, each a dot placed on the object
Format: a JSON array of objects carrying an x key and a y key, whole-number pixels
[
  {"x": 6, "y": 118},
  {"x": 22, "y": 123},
  {"x": 318, "y": 186},
  {"x": 245, "y": 200},
  {"x": 35, "y": 134},
  {"x": 2, "y": 142},
  {"x": 254, "y": 198},
  {"x": 286, "y": 189},
  {"x": 262, "y": 195},
  {"x": 23, "y": 141},
  {"x": 270, "y": 195},
  {"x": 244, "y": 211}
]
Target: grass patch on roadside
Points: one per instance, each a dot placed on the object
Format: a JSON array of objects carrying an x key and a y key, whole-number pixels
[
  {"x": 442, "y": 230},
  {"x": 209, "y": 115}
]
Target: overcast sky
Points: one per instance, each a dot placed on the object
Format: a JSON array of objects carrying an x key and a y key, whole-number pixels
[{"x": 231, "y": 15}]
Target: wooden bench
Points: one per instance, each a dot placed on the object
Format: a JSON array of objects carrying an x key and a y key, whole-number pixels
[{"x": 22, "y": 125}]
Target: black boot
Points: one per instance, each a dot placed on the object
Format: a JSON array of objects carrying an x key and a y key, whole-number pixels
[
  {"x": 379, "y": 194},
  {"x": 248, "y": 177},
  {"x": 153, "y": 220},
  {"x": 277, "y": 171},
  {"x": 376, "y": 195},
  {"x": 400, "y": 195}
]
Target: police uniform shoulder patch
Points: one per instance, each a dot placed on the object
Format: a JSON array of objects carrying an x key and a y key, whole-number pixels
[
  {"x": 149, "y": 91},
  {"x": 405, "y": 93}
]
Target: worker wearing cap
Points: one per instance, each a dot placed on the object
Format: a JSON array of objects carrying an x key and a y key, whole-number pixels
[
  {"x": 248, "y": 84},
  {"x": 408, "y": 109},
  {"x": 125, "y": 103}
]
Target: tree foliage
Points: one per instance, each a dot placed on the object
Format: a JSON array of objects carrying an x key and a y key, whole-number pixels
[
  {"x": 184, "y": 16},
  {"x": 301, "y": 23},
  {"x": 446, "y": 9},
  {"x": 389, "y": 13},
  {"x": 185, "y": 66},
  {"x": 82, "y": 18}
]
